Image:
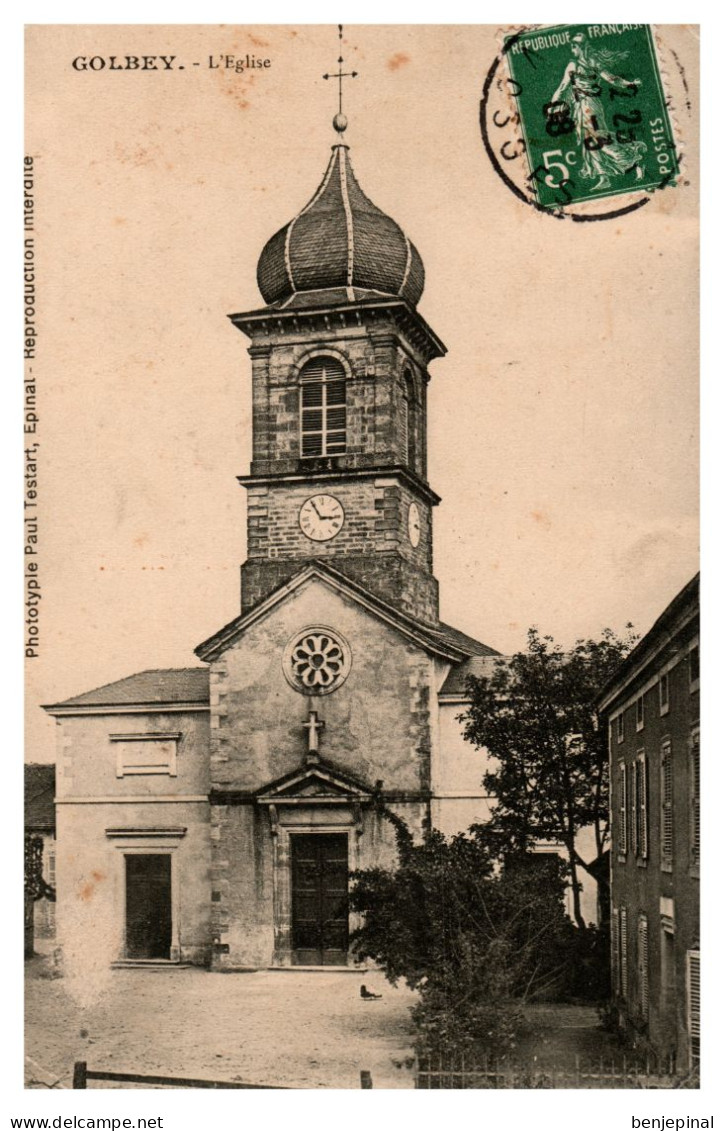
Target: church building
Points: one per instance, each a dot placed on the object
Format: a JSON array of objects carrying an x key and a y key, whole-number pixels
[{"x": 213, "y": 814}]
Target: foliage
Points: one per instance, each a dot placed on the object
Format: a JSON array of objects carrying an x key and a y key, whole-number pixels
[
  {"x": 36, "y": 887},
  {"x": 475, "y": 931},
  {"x": 536, "y": 716}
]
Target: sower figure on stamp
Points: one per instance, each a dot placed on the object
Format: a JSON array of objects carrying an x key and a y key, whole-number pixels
[{"x": 578, "y": 103}]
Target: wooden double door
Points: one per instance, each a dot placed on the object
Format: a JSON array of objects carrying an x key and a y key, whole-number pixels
[{"x": 320, "y": 902}]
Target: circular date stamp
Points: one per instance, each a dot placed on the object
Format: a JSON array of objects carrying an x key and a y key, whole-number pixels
[{"x": 576, "y": 121}]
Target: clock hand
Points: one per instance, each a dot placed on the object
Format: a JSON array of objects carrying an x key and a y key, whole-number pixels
[{"x": 315, "y": 508}]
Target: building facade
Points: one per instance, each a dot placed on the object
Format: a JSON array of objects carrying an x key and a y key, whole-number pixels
[
  {"x": 213, "y": 814},
  {"x": 652, "y": 709}
]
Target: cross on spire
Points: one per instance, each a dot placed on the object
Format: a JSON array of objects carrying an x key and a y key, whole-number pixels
[{"x": 339, "y": 121}]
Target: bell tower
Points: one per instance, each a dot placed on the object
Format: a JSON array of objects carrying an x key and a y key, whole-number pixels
[{"x": 339, "y": 385}]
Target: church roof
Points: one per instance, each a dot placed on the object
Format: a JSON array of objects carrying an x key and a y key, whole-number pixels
[
  {"x": 467, "y": 643},
  {"x": 441, "y": 640},
  {"x": 340, "y": 243},
  {"x": 149, "y": 688},
  {"x": 39, "y": 796}
]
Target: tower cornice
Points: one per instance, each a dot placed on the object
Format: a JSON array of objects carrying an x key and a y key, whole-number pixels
[
  {"x": 339, "y": 475},
  {"x": 325, "y": 317}
]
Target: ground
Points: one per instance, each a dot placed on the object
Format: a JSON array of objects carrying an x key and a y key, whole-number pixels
[
  {"x": 281, "y": 1028},
  {"x": 297, "y": 1030}
]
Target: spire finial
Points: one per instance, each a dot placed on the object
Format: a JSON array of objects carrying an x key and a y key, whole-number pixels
[{"x": 339, "y": 121}]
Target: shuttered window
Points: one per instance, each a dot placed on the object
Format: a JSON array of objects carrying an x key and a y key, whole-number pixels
[
  {"x": 664, "y": 693},
  {"x": 693, "y": 1002},
  {"x": 622, "y": 809},
  {"x": 667, "y": 805},
  {"x": 324, "y": 407},
  {"x": 623, "y": 951},
  {"x": 641, "y": 824},
  {"x": 615, "y": 951},
  {"x": 643, "y": 965},
  {"x": 694, "y": 789}
]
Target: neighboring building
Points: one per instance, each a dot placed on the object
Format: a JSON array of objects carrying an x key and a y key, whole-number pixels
[
  {"x": 652, "y": 710},
  {"x": 213, "y": 814},
  {"x": 40, "y": 822}
]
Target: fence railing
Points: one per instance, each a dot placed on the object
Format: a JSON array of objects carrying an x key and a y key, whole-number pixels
[
  {"x": 82, "y": 1074},
  {"x": 439, "y": 1071}
]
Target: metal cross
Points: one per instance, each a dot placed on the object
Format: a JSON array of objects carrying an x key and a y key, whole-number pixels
[
  {"x": 314, "y": 727},
  {"x": 339, "y": 73}
]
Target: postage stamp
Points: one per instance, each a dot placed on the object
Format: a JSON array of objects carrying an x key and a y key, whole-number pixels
[{"x": 593, "y": 113}]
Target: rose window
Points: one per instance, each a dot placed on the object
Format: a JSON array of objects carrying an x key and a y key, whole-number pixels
[{"x": 317, "y": 661}]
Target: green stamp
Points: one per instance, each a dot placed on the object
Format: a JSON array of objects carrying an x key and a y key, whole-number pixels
[{"x": 593, "y": 113}]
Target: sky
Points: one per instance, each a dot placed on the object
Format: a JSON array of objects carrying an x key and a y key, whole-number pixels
[{"x": 562, "y": 422}]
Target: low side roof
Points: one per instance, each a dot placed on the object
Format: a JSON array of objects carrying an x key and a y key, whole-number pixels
[
  {"x": 455, "y": 684},
  {"x": 160, "y": 685}
]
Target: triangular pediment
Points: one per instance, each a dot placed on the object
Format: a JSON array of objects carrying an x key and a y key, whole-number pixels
[
  {"x": 434, "y": 641},
  {"x": 314, "y": 783}
]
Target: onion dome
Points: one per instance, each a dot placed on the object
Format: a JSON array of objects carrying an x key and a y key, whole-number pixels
[{"x": 340, "y": 243}]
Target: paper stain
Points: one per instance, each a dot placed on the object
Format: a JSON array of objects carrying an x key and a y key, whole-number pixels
[
  {"x": 542, "y": 519},
  {"x": 399, "y": 59},
  {"x": 88, "y": 889}
]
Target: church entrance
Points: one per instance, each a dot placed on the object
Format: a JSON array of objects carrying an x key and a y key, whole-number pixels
[
  {"x": 148, "y": 905},
  {"x": 320, "y": 911}
]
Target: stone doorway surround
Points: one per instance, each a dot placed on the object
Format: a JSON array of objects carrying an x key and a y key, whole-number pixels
[
  {"x": 315, "y": 799},
  {"x": 148, "y": 840}
]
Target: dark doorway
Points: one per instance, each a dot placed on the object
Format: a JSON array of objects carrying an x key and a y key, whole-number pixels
[
  {"x": 148, "y": 906},
  {"x": 320, "y": 914}
]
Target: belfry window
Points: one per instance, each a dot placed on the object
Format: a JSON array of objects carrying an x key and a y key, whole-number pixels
[
  {"x": 324, "y": 407},
  {"x": 408, "y": 422}
]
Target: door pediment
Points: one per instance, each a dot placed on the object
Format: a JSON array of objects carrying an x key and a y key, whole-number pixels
[{"x": 317, "y": 784}]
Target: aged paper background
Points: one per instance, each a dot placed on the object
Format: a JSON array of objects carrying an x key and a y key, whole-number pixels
[{"x": 563, "y": 422}]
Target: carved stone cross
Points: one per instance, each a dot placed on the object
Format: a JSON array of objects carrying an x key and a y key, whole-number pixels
[{"x": 314, "y": 727}]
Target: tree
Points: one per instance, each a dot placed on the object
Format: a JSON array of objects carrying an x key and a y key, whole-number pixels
[
  {"x": 536, "y": 716},
  {"x": 36, "y": 887},
  {"x": 474, "y": 931}
]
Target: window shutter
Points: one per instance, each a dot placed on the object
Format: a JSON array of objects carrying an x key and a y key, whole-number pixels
[
  {"x": 622, "y": 809},
  {"x": 615, "y": 950},
  {"x": 623, "y": 950},
  {"x": 643, "y": 965},
  {"x": 693, "y": 1002},
  {"x": 667, "y": 804},
  {"x": 405, "y": 423},
  {"x": 695, "y": 798},
  {"x": 323, "y": 407},
  {"x": 640, "y": 806}
]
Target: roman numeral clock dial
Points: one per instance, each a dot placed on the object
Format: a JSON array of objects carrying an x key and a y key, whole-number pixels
[{"x": 321, "y": 517}]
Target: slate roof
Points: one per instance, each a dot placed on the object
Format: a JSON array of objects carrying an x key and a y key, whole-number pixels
[
  {"x": 39, "y": 796},
  {"x": 340, "y": 240},
  {"x": 479, "y": 665},
  {"x": 161, "y": 685},
  {"x": 467, "y": 643},
  {"x": 685, "y": 603}
]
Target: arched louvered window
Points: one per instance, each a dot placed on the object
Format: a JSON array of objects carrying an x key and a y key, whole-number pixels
[
  {"x": 407, "y": 430},
  {"x": 324, "y": 407}
]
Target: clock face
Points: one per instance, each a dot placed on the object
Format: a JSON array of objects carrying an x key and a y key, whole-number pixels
[
  {"x": 413, "y": 524},
  {"x": 321, "y": 517}
]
